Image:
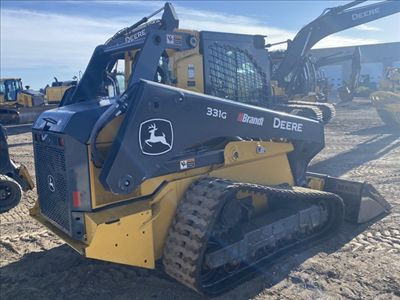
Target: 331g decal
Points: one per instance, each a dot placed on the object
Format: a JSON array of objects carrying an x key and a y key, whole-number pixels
[{"x": 216, "y": 113}]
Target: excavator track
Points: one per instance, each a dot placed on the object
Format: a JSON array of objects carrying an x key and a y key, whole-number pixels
[
  {"x": 327, "y": 109},
  {"x": 308, "y": 111},
  {"x": 195, "y": 239}
]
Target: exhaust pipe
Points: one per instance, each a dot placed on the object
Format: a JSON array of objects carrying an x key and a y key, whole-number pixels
[{"x": 362, "y": 201}]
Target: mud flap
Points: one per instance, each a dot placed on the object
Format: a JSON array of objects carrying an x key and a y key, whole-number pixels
[{"x": 362, "y": 201}]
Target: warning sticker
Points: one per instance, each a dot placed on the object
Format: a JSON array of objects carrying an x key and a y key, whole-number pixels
[
  {"x": 173, "y": 39},
  {"x": 187, "y": 164}
]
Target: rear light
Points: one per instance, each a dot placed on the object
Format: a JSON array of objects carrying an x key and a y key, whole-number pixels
[
  {"x": 76, "y": 198},
  {"x": 61, "y": 141}
]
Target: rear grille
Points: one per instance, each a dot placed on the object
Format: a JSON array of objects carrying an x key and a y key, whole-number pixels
[{"x": 52, "y": 185}]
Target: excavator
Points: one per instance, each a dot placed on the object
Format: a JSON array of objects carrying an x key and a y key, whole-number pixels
[
  {"x": 18, "y": 105},
  {"x": 188, "y": 169},
  {"x": 347, "y": 90},
  {"x": 14, "y": 178},
  {"x": 294, "y": 71}
]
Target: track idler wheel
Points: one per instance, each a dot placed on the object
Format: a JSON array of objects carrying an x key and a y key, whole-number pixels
[{"x": 10, "y": 193}]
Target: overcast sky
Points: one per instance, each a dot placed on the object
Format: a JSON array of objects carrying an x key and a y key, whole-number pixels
[{"x": 42, "y": 39}]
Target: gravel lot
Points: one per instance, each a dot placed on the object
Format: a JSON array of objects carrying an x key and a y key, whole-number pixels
[{"x": 360, "y": 262}]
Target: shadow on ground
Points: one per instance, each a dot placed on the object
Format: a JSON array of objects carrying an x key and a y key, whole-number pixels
[
  {"x": 61, "y": 273},
  {"x": 371, "y": 149},
  {"x": 384, "y": 129}
]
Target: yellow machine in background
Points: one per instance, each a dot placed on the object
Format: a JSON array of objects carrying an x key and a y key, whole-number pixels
[
  {"x": 55, "y": 92},
  {"x": 387, "y": 99},
  {"x": 18, "y": 104}
]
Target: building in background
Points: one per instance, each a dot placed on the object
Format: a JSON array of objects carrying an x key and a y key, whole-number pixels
[{"x": 374, "y": 59}]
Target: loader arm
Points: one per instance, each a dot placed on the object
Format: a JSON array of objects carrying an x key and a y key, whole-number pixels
[
  {"x": 332, "y": 20},
  {"x": 149, "y": 36}
]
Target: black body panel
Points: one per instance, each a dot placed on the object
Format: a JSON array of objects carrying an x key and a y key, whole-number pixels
[
  {"x": 75, "y": 120},
  {"x": 129, "y": 162}
]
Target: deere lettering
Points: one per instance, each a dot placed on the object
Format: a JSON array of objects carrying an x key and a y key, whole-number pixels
[
  {"x": 135, "y": 36},
  {"x": 287, "y": 125},
  {"x": 365, "y": 14}
]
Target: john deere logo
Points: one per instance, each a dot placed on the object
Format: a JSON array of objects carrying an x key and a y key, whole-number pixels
[
  {"x": 51, "y": 183},
  {"x": 156, "y": 136}
]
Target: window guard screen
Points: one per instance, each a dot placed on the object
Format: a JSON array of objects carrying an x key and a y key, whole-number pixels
[{"x": 234, "y": 75}]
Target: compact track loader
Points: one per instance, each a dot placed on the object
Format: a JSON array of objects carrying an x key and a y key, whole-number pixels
[
  {"x": 14, "y": 178},
  {"x": 188, "y": 166}
]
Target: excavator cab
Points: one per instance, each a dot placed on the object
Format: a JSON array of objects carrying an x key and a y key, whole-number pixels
[{"x": 189, "y": 164}]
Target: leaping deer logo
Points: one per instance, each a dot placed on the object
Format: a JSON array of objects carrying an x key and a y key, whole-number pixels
[{"x": 156, "y": 138}]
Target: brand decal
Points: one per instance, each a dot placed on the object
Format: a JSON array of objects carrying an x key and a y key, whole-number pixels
[
  {"x": 187, "y": 164},
  {"x": 287, "y": 125},
  {"x": 245, "y": 118},
  {"x": 216, "y": 113},
  {"x": 135, "y": 36},
  {"x": 365, "y": 14},
  {"x": 51, "y": 183},
  {"x": 156, "y": 136}
]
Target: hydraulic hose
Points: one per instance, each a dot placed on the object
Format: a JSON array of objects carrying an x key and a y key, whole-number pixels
[{"x": 116, "y": 109}]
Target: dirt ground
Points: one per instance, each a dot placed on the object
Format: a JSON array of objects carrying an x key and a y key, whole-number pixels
[{"x": 360, "y": 262}]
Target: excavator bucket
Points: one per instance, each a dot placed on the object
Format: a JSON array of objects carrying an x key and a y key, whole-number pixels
[{"x": 362, "y": 201}]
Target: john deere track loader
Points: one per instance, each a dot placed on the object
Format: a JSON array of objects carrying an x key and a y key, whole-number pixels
[{"x": 187, "y": 167}]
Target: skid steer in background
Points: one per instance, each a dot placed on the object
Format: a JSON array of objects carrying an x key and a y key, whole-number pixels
[
  {"x": 18, "y": 105},
  {"x": 387, "y": 99},
  {"x": 187, "y": 166},
  {"x": 294, "y": 70},
  {"x": 14, "y": 178}
]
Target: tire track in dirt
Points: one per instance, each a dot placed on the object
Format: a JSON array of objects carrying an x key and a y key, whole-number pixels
[
  {"x": 387, "y": 240},
  {"x": 21, "y": 211}
]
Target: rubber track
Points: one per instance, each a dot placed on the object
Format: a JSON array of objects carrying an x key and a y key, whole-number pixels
[
  {"x": 327, "y": 109},
  {"x": 195, "y": 217},
  {"x": 312, "y": 111}
]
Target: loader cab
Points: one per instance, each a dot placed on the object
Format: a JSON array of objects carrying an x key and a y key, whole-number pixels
[
  {"x": 9, "y": 88},
  {"x": 229, "y": 66}
]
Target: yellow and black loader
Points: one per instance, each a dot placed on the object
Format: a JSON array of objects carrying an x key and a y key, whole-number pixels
[{"x": 189, "y": 166}]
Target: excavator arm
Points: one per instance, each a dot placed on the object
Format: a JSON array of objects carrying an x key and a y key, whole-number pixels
[{"x": 332, "y": 20}]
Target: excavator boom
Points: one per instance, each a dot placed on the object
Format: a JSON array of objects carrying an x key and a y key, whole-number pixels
[{"x": 332, "y": 20}]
